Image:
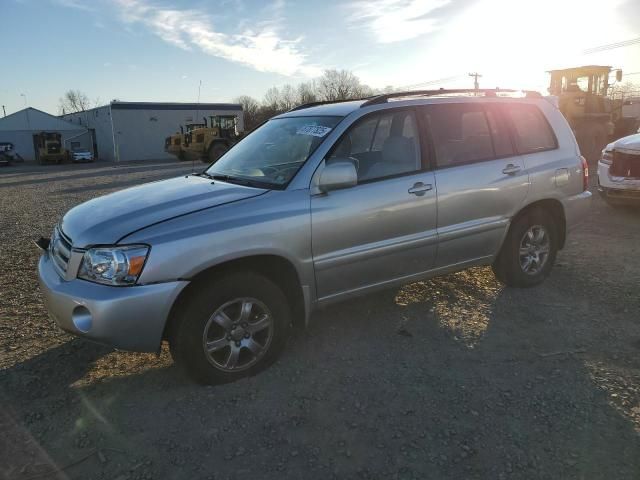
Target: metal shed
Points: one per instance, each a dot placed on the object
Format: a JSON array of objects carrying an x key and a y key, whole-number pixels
[
  {"x": 126, "y": 131},
  {"x": 20, "y": 127}
]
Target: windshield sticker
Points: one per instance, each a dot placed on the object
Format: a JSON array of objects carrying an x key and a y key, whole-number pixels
[{"x": 315, "y": 130}]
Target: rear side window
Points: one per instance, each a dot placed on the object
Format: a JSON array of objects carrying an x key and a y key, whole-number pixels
[
  {"x": 531, "y": 130},
  {"x": 460, "y": 133},
  {"x": 500, "y": 133}
]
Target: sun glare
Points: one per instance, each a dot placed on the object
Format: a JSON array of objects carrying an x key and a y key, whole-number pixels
[{"x": 513, "y": 43}]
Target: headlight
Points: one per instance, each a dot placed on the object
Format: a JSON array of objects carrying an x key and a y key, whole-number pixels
[
  {"x": 607, "y": 157},
  {"x": 113, "y": 265}
]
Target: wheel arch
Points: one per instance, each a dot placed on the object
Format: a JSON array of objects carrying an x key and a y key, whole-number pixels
[
  {"x": 555, "y": 209},
  {"x": 276, "y": 268}
]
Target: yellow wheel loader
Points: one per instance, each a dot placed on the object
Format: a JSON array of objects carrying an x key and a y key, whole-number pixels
[
  {"x": 48, "y": 148},
  {"x": 173, "y": 144},
  {"x": 582, "y": 99},
  {"x": 211, "y": 141}
]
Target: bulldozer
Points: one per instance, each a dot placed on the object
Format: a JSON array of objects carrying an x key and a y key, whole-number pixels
[
  {"x": 49, "y": 149},
  {"x": 582, "y": 99},
  {"x": 173, "y": 143},
  {"x": 209, "y": 142}
]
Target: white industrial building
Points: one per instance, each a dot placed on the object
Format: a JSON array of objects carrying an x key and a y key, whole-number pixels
[
  {"x": 20, "y": 128},
  {"x": 125, "y": 131}
]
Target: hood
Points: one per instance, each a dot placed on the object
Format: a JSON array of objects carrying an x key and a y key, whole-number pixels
[
  {"x": 105, "y": 220},
  {"x": 630, "y": 144}
]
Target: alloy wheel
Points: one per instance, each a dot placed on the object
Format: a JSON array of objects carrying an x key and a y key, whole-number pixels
[
  {"x": 535, "y": 246},
  {"x": 238, "y": 334}
]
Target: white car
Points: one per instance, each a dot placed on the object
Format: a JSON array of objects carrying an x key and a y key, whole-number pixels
[
  {"x": 81, "y": 155},
  {"x": 619, "y": 171}
]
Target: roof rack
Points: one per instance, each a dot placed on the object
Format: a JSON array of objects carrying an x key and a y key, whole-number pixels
[
  {"x": 487, "y": 92},
  {"x": 323, "y": 102}
]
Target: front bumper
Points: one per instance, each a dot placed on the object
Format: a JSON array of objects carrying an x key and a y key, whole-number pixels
[
  {"x": 128, "y": 318},
  {"x": 620, "y": 189}
]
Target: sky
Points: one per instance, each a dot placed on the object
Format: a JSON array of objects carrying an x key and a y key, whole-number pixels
[{"x": 163, "y": 50}]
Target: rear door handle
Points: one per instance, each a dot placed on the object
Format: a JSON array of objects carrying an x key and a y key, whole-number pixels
[
  {"x": 511, "y": 169},
  {"x": 420, "y": 188}
]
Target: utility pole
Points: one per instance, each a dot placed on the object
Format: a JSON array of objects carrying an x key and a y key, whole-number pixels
[{"x": 475, "y": 76}]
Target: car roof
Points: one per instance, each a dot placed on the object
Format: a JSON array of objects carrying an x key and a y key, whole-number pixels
[{"x": 344, "y": 108}]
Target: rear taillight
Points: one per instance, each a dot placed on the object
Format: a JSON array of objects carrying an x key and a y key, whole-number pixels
[{"x": 585, "y": 173}]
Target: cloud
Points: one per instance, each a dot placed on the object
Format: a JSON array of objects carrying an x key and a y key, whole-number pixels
[
  {"x": 261, "y": 48},
  {"x": 395, "y": 20},
  {"x": 78, "y": 4}
]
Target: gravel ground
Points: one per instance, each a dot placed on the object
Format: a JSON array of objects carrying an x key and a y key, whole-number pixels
[{"x": 457, "y": 377}]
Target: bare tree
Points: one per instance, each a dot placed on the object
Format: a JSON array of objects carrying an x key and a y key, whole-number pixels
[
  {"x": 272, "y": 98},
  {"x": 307, "y": 92},
  {"x": 624, "y": 90},
  {"x": 341, "y": 85},
  {"x": 288, "y": 98},
  {"x": 74, "y": 101},
  {"x": 251, "y": 109}
]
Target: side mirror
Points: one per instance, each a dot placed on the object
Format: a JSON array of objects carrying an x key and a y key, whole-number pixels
[
  {"x": 339, "y": 173},
  {"x": 618, "y": 75}
]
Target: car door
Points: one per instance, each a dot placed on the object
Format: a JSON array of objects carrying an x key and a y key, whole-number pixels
[
  {"x": 384, "y": 228},
  {"x": 481, "y": 182}
]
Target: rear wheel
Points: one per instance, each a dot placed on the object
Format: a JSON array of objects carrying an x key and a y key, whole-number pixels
[
  {"x": 231, "y": 328},
  {"x": 529, "y": 251},
  {"x": 216, "y": 151}
]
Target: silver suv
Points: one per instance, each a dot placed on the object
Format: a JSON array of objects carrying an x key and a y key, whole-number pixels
[{"x": 320, "y": 204}]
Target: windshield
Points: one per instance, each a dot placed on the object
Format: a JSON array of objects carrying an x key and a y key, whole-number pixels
[{"x": 273, "y": 153}]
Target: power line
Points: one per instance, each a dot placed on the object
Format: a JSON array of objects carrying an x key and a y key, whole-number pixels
[
  {"x": 430, "y": 82},
  {"x": 611, "y": 46}
]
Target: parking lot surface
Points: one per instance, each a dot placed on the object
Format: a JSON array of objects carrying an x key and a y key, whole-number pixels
[{"x": 457, "y": 377}]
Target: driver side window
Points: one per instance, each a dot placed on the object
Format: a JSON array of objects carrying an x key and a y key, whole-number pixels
[{"x": 381, "y": 145}]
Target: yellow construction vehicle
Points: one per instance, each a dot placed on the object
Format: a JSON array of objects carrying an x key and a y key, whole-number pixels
[
  {"x": 173, "y": 143},
  {"x": 582, "y": 99},
  {"x": 211, "y": 141},
  {"x": 48, "y": 148}
]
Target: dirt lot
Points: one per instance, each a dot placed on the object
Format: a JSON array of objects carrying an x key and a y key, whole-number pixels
[{"x": 452, "y": 378}]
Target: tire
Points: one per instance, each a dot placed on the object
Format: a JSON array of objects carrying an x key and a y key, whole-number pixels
[
  {"x": 213, "y": 316},
  {"x": 510, "y": 268},
  {"x": 215, "y": 152}
]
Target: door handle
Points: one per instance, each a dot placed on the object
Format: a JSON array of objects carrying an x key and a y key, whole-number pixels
[
  {"x": 420, "y": 188},
  {"x": 511, "y": 169}
]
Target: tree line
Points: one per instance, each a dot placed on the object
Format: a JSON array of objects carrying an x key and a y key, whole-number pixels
[{"x": 333, "y": 85}]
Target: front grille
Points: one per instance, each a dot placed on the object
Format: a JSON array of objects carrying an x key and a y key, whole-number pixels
[
  {"x": 53, "y": 149},
  {"x": 60, "y": 248},
  {"x": 625, "y": 165}
]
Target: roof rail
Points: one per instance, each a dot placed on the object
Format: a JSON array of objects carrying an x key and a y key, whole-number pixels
[
  {"x": 322, "y": 102},
  {"x": 488, "y": 92}
]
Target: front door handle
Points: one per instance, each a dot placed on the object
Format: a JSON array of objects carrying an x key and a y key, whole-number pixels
[
  {"x": 420, "y": 188},
  {"x": 511, "y": 169}
]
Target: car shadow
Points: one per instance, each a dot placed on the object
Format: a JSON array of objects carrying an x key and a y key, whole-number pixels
[{"x": 456, "y": 377}]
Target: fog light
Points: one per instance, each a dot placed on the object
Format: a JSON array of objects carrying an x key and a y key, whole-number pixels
[{"x": 81, "y": 318}]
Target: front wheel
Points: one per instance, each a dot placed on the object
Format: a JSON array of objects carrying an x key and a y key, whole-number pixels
[
  {"x": 234, "y": 327},
  {"x": 528, "y": 252},
  {"x": 216, "y": 151}
]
